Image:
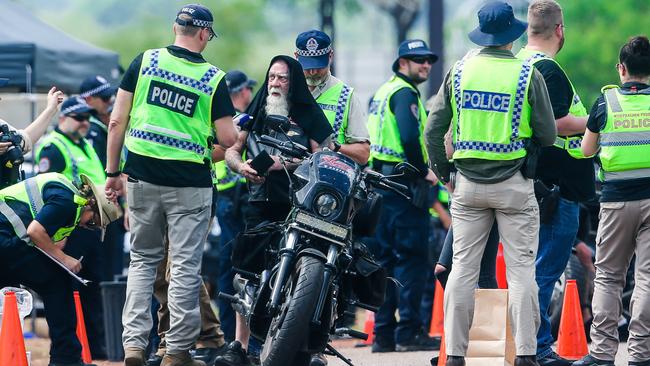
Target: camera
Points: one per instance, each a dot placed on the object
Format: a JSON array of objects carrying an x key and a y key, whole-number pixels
[{"x": 10, "y": 160}]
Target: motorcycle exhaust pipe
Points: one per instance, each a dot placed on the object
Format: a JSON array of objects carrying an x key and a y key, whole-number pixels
[{"x": 287, "y": 256}]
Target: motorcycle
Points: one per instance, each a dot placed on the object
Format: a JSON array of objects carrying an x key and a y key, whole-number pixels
[{"x": 314, "y": 266}]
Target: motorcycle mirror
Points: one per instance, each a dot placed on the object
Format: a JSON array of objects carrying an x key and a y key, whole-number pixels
[
  {"x": 406, "y": 169},
  {"x": 278, "y": 123}
]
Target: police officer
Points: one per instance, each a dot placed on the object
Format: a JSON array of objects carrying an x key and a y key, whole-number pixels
[
  {"x": 562, "y": 165},
  {"x": 98, "y": 94},
  {"x": 36, "y": 217},
  {"x": 172, "y": 101},
  {"x": 231, "y": 198},
  {"x": 496, "y": 103},
  {"x": 65, "y": 150},
  {"x": 619, "y": 124},
  {"x": 396, "y": 124},
  {"x": 341, "y": 106}
]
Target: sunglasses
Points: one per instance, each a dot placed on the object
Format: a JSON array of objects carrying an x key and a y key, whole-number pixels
[
  {"x": 80, "y": 117},
  {"x": 106, "y": 99},
  {"x": 420, "y": 60},
  {"x": 212, "y": 34}
]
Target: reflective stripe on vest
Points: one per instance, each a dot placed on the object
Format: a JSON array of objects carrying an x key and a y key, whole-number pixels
[
  {"x": 625, "y": 140},
  {"x": 516, "y": 144},
  {"x": 340, "y": 109},
  {"x": 202, "y": 85},
  {"x": 171, "y": 114},
  {"x": 570, "y": 144},
  {"x": 32, "y": 188}
]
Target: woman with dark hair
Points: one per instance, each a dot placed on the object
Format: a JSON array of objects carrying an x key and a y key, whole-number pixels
[{"x": 619, "y": 126}]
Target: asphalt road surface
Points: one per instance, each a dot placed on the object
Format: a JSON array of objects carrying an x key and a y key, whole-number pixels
[{"x": 363, "y": 357}]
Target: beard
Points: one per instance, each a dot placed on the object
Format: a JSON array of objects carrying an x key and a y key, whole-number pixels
[
  {"x": 315, "y": 80},
  {"x": 277, "y": 105}
]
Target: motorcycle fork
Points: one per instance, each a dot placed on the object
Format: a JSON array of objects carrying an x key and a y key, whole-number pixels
[
  {"x": 287, "y": 256},
  {"x": 330, "y": 270}
]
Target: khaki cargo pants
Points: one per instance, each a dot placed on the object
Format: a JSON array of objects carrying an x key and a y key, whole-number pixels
[{"x": 474, "y": 208}]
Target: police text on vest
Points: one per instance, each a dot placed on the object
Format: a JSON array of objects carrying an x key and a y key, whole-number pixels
[
  {"x": 486, "y": 101},
  {"x": 172, "y": 98}
]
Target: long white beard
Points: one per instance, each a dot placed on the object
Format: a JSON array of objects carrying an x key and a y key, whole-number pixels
[{"x": 277, "y": 105}]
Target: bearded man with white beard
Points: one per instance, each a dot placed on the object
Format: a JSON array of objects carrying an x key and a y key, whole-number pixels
[{"x": 284, "y": 93}]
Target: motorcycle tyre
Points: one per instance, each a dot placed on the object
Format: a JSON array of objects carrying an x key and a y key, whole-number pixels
[{"x": 292, "y": 334}]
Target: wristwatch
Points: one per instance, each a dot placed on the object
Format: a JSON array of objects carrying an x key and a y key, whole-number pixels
[{"x": 113, "y": 174}]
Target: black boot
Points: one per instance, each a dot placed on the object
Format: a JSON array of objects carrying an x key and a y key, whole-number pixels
[{"x": 526, "y": 361}]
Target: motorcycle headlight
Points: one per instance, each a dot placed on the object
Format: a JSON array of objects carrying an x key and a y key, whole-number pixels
[{"x": 326, "y": 204}]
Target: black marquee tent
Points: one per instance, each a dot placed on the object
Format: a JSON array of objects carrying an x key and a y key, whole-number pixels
[{"x": 32, "y": 52}]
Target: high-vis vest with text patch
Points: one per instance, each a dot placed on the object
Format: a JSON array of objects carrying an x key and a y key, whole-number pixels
[
  {"x": 171, "y": 114},
  {"x": 78, "y": 160},
  {"x": 30, "y": 192},
  {"x": 385, "y": 143},
  {"x": 335, "y": 103},
  {"x": 625, "y": 140},
  {"x": 572, "y": 143},
  {"x": 491, "y": 113}
]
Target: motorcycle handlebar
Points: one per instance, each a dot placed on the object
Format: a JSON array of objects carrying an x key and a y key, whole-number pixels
[
  {"x": 287, "y": 147},
  {"x": 385, "y": 183}
]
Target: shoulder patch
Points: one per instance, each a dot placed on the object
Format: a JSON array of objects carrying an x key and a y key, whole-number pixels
[
  {"x": 44, "y": 165},
  {"x": 415, "y": 110}
]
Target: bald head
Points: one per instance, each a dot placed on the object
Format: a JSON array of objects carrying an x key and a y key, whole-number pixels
[{"x": 544, "y": 16}]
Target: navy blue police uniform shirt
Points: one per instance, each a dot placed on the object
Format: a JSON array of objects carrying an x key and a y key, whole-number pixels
[
  {"x": 575, "y": 177},
  {"x": 174, "y": 173},
  {"x": 51, "y": 158},
  {"x": 404, "y": 105},
  {"x": 629, "y": 190},
  {"x": 98, "y": 138},
  {"x": 59, "y": 210}
]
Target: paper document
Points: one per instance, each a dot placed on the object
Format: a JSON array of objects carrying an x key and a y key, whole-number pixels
[{"x": 74, "y": 275}]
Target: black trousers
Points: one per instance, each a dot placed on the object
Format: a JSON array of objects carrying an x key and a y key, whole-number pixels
[
  {"x": 21, "y": 264},
  {"x": 86, "y": 243}
]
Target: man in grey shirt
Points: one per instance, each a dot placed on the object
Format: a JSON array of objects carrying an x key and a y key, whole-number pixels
[{"x": 496, "y": 105}]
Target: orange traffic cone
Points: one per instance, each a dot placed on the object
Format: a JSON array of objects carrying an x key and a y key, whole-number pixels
[
  {"x": 572, "y": 341},
  {"x": 442, "y": 356},
  {"x": 369, "y": 328},
  {"x": 502, "y": 281},
  {"x": 12, "y": 344},
  {"x": 81, "y": 330},
  {"x": 437, "y": 327}
]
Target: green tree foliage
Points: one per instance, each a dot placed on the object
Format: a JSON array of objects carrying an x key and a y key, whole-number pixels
[
  {"x": 130, "y": 27},
  {"x": 595, "y": 31}
]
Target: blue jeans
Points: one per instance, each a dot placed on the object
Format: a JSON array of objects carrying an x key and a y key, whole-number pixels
[
  {"x": 402, "y": 248},
  {"x": 231, "y": 223},
  {"x": 555, "y": 244}
]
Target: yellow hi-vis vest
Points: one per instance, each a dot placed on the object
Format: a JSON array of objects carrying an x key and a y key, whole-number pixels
[
  {"x": 385, "y": 143},
  {"x": 335, "y": 103},
  {"x": 77, "y": 160},
  {"x": 30, "y": 192},
  {"x": 570, "y": 144},
  {"x": 171, "y": 114},
  {"x": 491, "y": 113},
  {"x": 625, "y": 140},
  {"x": 225, "y": 178}
]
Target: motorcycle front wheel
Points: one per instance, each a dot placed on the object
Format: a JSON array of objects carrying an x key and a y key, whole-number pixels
[{"x": 289, "y": 328}]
